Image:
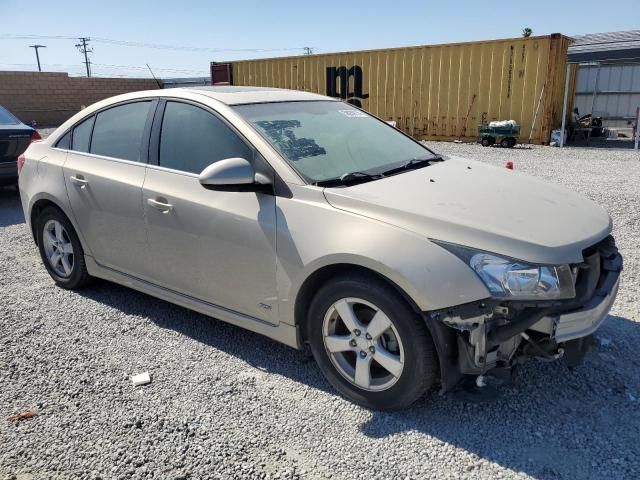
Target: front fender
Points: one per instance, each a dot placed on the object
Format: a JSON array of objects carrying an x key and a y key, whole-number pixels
[{"x": 312, "y": 235}]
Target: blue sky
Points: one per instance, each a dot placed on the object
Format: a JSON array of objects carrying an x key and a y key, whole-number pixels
[{"x": 242, "y": 24}]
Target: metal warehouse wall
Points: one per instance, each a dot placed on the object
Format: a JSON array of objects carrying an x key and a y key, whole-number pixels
[
  {"x": 438, "y": 91},
  {"x": 618, "y": 93}
]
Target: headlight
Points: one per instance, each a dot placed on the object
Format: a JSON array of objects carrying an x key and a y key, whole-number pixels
[{"x": 515, "y": 280}]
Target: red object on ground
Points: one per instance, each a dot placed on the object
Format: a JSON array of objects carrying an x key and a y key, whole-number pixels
[
  {"x": 509, "y": 165},
  {"x": 21, "y": 416}
]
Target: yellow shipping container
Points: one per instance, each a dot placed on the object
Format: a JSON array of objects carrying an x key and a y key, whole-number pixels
[{"x": 434, "y": 91}]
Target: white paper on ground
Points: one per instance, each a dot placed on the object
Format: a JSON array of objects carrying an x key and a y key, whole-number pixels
[{"x": 141, "y": 379}]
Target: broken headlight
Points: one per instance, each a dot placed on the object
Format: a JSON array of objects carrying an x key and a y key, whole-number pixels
[{"x": 516, "y": 280}]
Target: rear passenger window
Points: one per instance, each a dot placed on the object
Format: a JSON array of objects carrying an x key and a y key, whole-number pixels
[
  {"x": 81, "y": 136},
  {"x": 64, "y": 142},
  {"x": 191, "y": 139},
  {"x": 118, "y": 131}
]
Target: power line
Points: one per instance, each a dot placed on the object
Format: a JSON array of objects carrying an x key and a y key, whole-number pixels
[
  {"x": 191, "y": 49},
  {"x": 125, "y": 43},
  {"x": 36, "y": 47},
  {"x": 107, "y": 66},
  {"x": 12, "y": 36},
  {"x": 135, "y": 67}
]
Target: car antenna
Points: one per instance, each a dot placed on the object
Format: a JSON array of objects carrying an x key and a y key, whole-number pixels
[{"x": 154, "y": 77}]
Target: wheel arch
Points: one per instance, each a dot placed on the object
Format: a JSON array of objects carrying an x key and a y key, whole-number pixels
[
  {"x": 39, "y": 205},
  {"x": 325, "y": 273}
]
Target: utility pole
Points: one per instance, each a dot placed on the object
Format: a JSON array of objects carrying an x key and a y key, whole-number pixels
[
  {"x": 85, "y": 50},
  {"x": 36, "y": 47},
  {"x": 308, "y": 50}
]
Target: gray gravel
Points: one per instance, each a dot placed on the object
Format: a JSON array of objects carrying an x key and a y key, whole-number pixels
[{"x": 226, "y": 403}]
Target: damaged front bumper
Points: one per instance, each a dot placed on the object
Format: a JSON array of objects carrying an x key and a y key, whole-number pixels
[
  {"x": 584, "y": 321},
  {"x": 490, "y": 337}
]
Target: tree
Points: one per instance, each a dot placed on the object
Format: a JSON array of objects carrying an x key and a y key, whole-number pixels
[{"x": 526, "y": 32}]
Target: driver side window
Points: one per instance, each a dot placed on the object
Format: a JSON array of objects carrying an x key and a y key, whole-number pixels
[{"x": 192, "y": 138}]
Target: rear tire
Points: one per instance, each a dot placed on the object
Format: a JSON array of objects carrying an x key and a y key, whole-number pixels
[
  {"x": 486, "y": 142},
  {"x": 60, "y": 250},
  {"x": 505, "y": 143},
  {"x": 384, "y": 328}
]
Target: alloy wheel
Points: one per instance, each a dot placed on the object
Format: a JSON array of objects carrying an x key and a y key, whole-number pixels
[
  {"x": 58, "y": 248},
  {"x": 363, "y": 344}
]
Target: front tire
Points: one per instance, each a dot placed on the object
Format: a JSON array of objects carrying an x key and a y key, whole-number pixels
[
  {"x": 60, "y": 250},
  {"x": 370, "y": 344}
]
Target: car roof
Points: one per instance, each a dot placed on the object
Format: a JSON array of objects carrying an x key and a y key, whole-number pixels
[{"x": 232, "y": 95}]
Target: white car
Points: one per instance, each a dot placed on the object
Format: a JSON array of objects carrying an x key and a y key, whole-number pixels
[{"x": 308, "y": 220}]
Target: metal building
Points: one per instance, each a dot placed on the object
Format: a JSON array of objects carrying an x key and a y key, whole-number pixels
[
  {"x": 607, "y": 80},
  {"x": 432, "y": 91}
]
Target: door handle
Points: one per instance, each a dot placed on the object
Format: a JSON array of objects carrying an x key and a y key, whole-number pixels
[
  {"x": 159, "y": 205},
  {"x": 79, "y": 180}
]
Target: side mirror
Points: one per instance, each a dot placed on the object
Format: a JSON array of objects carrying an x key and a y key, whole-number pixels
[{"x": 233, "y": 175}]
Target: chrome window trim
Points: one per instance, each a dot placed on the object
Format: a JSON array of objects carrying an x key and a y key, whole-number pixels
[
  {"x": 95, "y": 113},
  {"x": 103, "y": 157},
  {"x": 171, "y": 170},
  {"x": 62, "y": 150}
]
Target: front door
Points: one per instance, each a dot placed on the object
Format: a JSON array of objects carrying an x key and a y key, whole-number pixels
[
  {"x": 218, "y": 247},
  {"x": 104, "y": 172}
]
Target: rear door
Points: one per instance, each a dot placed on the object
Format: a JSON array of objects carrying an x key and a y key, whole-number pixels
[
  {"x": 216, "y": 246},
  {"x": 104, "y": 173}
]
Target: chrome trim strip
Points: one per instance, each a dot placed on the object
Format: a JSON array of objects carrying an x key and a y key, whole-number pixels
[
  {"x": 171, "y": 170},
  {"x": 103, "y": 157}
]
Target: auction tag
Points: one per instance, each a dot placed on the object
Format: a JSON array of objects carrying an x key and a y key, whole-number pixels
[{"x": 353, "y": 113}]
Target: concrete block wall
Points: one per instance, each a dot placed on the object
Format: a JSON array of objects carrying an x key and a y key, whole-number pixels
[{"x": 50, "y": 98}]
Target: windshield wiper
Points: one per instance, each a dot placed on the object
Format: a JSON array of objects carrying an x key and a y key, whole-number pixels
[
  {"x": 350, "y": 178},
  {"x": 417, "y": 162}
]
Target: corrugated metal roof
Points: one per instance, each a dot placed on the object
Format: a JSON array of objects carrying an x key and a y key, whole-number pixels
[
  {"x": 606, "y": 38},
  {"x": 606, "y": 47},
  {"x": 184, "y": 82}
]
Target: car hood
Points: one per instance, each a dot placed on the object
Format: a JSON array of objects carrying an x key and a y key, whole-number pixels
[{"x": 477, "y": 205}]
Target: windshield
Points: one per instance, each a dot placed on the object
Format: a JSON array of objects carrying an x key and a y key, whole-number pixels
[
  {"x": 6, "y": 118},
  {"x": 326, "y": 140}
]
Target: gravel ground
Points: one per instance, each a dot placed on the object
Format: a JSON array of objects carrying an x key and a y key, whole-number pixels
[{"x": 226, "y": 403}]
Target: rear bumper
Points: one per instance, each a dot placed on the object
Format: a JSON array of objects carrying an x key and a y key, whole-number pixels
[{"x": 8, "y": 171}]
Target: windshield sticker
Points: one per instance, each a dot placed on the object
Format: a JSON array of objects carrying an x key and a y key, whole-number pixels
[{"x": 353, "y": 113}]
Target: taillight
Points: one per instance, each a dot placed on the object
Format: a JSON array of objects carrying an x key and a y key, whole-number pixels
[
  {"x": 21, "y": 159},
  {"x": 20, "y": 163}
]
